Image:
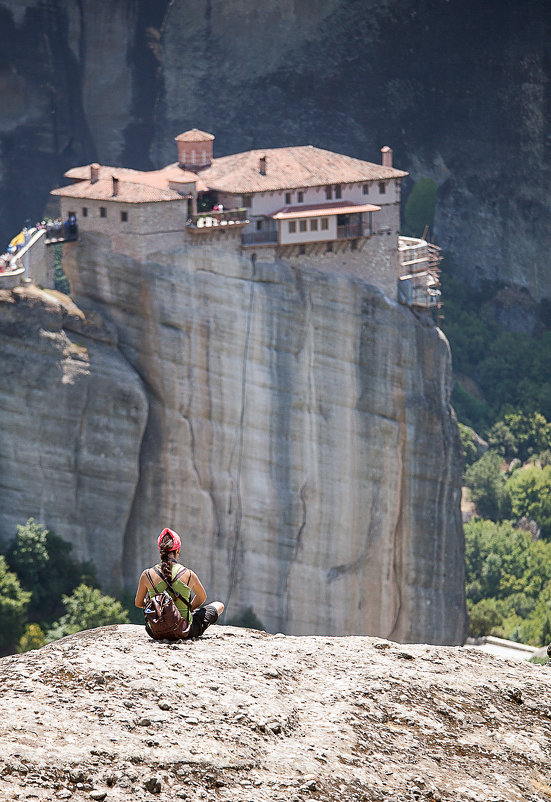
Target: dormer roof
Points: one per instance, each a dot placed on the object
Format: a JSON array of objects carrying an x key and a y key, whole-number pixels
[{"x": 194, "y": 135}]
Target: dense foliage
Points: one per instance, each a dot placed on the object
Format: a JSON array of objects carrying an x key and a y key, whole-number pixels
[
  {"x": 13, "y": 608},
  {"x": 497, "y": 372},
  {"x": 87, "y": 608},
  {"x": 45, "y": 593},
  {"x": 508, "y": 582},
  {"x": 502, "y": 393}
]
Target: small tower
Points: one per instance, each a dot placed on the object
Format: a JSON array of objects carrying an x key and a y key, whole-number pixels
[{"x": 194, "y": 149}]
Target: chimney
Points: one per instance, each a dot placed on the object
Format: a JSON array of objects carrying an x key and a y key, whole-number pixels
[
  {"x": 115, "y": 187},
  {"x": 262, "y": 164},
  {"x": 94, "y": 173},
  {"x": 387, "y": 156}
]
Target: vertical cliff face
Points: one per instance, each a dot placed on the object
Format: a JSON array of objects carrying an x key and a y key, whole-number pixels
[
  {"x": 299, "y": 437},
  {"x": 72, "y": 415}
]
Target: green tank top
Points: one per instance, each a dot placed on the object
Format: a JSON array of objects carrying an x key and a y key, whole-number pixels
[{"x": 178, "y": 586}]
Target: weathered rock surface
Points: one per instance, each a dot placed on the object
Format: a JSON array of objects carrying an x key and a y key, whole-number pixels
[
  {"x": 72, "y": 415},
  {"x": 460, "y": 91},
  {"x": 299, "y": 438},
  {"x": 241, "y": 715}
]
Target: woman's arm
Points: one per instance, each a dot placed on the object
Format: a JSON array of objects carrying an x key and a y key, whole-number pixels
[
  {"x": 141, "y": 593},
  {"x": 200, "y": 592}
]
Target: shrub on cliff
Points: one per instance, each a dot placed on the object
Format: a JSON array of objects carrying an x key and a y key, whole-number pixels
[
  {"x": 87, "y": 608},
  {"x": 13, "y": 608}
]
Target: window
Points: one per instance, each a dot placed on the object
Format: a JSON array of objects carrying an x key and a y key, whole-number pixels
[
  {"x": 314, "y": 224},
  {"x": 247, "y": 201},
  {"x": 328, "y": 193},
  {"x": 324, "y": 223},
  {"x": 365, "y": 189},
  {"x": 85, "y": 211},
  {"x": 102, "y": 211},
  {"x": 338, "y": 192},
  {"x": 382, "y": 187},
  {"x": 287, "y": 198},
  {"x": 259, "y": 225},
  {"x": 300, "y": 197},
  {"x": 302, "y": 225},
  {"x": 292, "y": 226},
  {"x": 302, "y": 250},
  {"x": 329, "y": 247},
  {"x": 124, "y": 217}
]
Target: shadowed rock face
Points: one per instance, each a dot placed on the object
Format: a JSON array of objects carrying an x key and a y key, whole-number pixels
[
  {"x": 72, "y": 414},
  {"x": 299, "y": 437},
  {"x": 242, "y": 715},
  {"x": 460, "y": 91}
]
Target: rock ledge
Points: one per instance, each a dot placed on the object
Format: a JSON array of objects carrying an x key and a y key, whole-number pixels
[{"x": 242, "y": 715}]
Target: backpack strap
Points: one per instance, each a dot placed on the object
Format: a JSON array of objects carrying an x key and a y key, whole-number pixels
[
  {"x": 169, "y": 585},
  {"x": 148, "y": 575}
]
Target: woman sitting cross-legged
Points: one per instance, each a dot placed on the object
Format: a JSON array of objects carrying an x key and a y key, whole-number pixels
[{"x": 183, "y": 581}]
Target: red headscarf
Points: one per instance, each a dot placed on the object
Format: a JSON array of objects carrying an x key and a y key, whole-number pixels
[{"x": 176, "y": 542}]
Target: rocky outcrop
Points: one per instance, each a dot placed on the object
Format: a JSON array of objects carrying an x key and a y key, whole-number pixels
[
  {"x": 96, "y": 81},
  {"x": 299, "y": 437},
  {"x": 72, "y": 415},
  {"x": 241, "y": 715}
]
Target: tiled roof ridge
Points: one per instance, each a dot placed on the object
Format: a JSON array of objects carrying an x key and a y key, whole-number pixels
[
  {"x": 127, "y": 191},
  {"x": 194, "y": 135}
]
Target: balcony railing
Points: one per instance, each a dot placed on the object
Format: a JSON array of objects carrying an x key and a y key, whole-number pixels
[
  {"x": 213, "y": 219},
  {"x": 413, "y": 251},
  {"x": 259, "y": 237},
  {"x": 350, "y": 231}
]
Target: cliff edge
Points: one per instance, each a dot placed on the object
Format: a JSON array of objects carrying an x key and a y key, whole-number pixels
[{"x": 242, "y": 715}]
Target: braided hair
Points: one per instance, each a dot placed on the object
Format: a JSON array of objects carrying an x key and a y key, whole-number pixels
[{"x": 167, "y": 544}]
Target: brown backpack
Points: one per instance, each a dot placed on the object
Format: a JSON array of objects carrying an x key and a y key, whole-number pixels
[{"x": 163, "y": 620}]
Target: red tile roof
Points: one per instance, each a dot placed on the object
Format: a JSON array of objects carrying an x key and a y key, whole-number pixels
[
  {"x": 291, "y": 168},
  {"x": 321, "y": 209},
  {"x": 195, "y": 135},
  {"x": 128, "y": 192}
]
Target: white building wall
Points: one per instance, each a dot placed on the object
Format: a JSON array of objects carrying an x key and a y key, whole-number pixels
[
  {"x": 288, "y": 238},
  {"x": 265, "y": 203}
]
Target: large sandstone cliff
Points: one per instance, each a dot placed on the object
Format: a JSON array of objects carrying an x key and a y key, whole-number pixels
[
  {"x": 298, "y": 435},
  {"x": 460, "y": 90},
  {"x": 244, "y": 716},
  {"x": 72, "y": 414}
]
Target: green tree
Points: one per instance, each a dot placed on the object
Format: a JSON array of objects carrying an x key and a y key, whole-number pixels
[
  {"x": 530, "y": 492},
  {"x": 484, "y": 618},
  {"x": 420, "y": 207},
  {"x": 520, "y": 434},
  {"x": 13, "y": 609},
  {"x": 487, "y": 484},
  {"x": 87, "y": 608},
  {"x": 44, "y": 566},
  {"x": 32, "y": 638}
]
